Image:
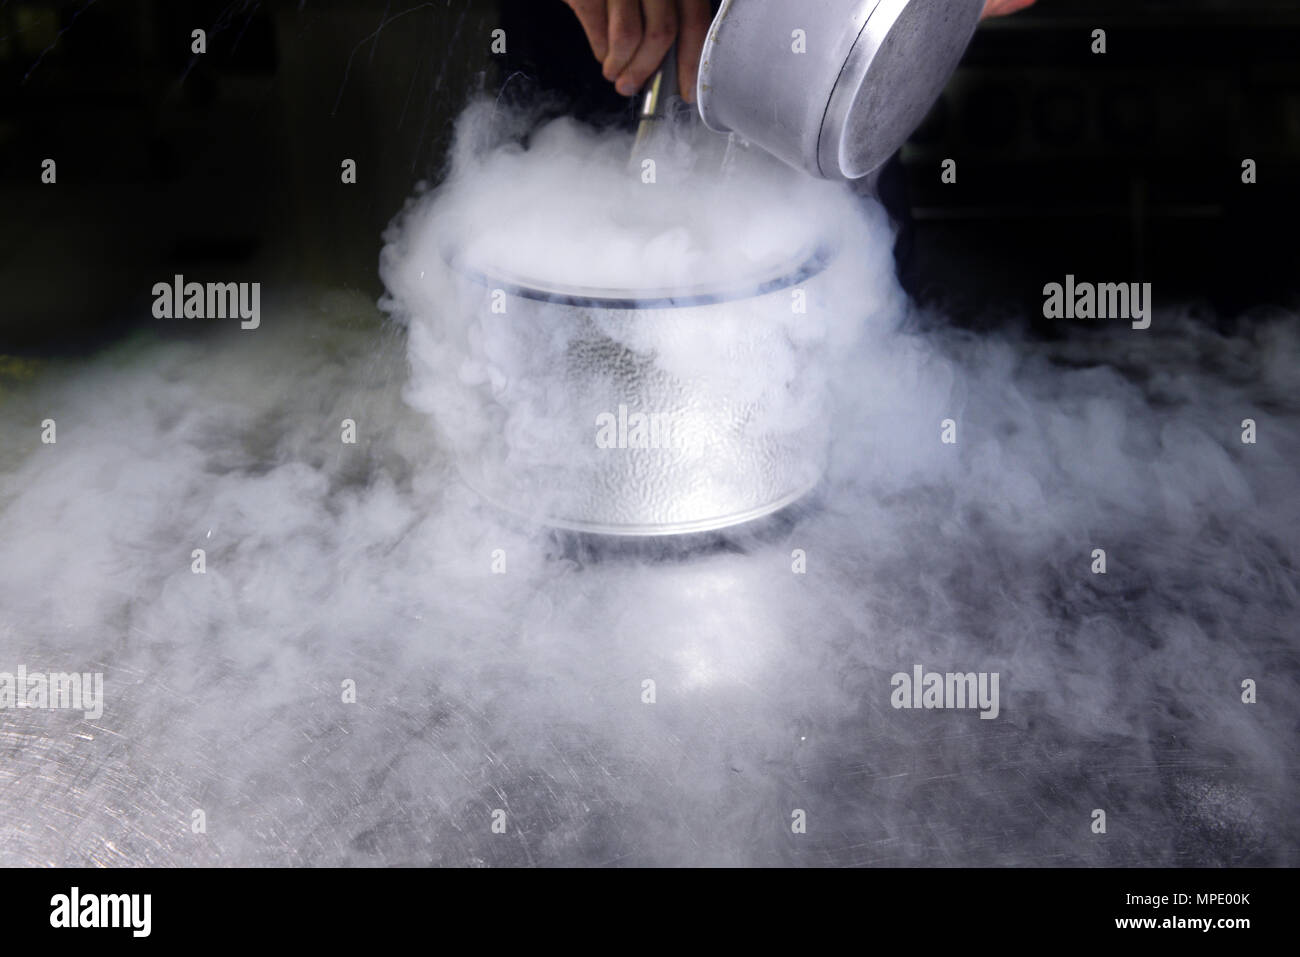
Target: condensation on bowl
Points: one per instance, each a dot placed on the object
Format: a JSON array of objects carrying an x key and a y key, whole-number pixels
[{"x": 543, "y": 376}]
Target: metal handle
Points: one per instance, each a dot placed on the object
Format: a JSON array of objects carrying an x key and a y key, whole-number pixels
[
  {"x": 660, "y": 88},
  {"x": 658, "y": 92}
]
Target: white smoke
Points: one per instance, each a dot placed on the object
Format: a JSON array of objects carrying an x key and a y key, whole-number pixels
[
  {"x": 728, "y": 329},
  {"x": 524, "y": 691}
]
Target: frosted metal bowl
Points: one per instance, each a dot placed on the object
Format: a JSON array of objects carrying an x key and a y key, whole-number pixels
[{"x": 640, "y": 412}]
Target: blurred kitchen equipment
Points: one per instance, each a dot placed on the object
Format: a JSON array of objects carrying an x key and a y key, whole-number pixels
[
  {"x": 870, "y": 71},
  {"x": 719, "y": 445}
]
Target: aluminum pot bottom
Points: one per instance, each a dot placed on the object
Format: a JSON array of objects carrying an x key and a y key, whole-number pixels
[
  {"x": 665, "y": 530},
  {"x": 765, "y": 532}
]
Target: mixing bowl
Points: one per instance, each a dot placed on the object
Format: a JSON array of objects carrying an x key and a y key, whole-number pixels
[{"x": 639, "y": 412}]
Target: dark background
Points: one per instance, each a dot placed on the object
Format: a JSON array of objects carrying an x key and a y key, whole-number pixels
[{"x": 226, "y": 166}]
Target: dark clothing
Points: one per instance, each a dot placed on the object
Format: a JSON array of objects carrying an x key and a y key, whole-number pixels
[{"x": 548, "y": 57}]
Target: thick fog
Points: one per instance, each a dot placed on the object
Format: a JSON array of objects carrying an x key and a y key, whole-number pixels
[{"x": 501, "y": 666}]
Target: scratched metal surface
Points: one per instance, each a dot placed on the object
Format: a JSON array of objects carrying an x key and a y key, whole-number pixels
[{"x": 522, "y": 692}]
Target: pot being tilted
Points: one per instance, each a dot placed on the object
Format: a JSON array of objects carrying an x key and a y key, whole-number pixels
[{"x": 832, "y": 87}]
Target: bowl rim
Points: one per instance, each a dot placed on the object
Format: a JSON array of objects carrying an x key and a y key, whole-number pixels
[{"x": 797, "y": 269}]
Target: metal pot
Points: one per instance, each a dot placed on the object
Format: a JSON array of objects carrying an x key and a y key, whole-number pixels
[
  {"x": 638, "y": 412},
  {"x": 869, "y": 72}
]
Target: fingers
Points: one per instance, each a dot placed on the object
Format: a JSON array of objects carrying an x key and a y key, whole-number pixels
[
  {"x": 695, "y": 17},
  {"x": 660, "y": 34},
  {"x": 631, "y": 37},
  {"x": 999, "y": 8},
  {"x": 594, "y": 18},
  {"x": 624, "y": 36}
]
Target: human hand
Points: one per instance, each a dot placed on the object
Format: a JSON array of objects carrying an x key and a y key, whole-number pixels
[
  {"x": 630, "y": 38},
  {"x": 1000, "y": 8}
]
